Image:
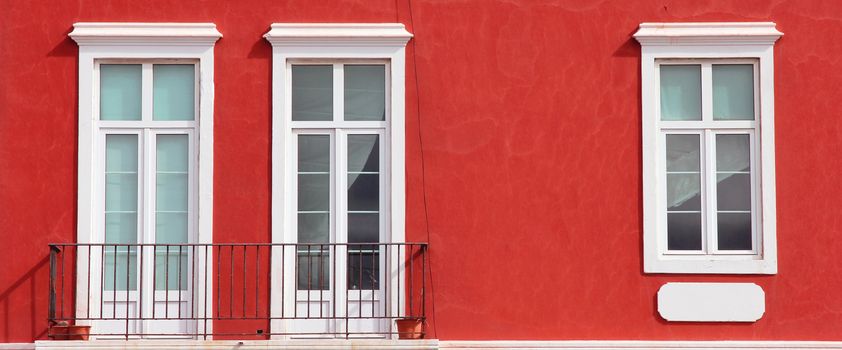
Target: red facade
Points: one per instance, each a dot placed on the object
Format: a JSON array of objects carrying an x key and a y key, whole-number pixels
[{"x": 523, "y": 158}]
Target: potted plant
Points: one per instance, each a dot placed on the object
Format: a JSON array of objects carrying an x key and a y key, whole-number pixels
[
  {"x": 410, "y": 328},
  {"x": 64, "y": 331}
]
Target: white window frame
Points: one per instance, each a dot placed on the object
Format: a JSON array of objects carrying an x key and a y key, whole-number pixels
[
  {"x": 143, "y": 43},
  {"x": 706, "y": 43},
  {"x": 334, "y": 43}
]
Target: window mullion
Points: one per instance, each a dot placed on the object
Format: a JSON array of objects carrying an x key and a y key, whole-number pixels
[
  {"x": 146, "y": 92},
  {"x": 338, "y": 93},
  {"x": 707, "y": 92},
  {"x": 709, "y": 188},
  {"x": 339, "y": 194}
]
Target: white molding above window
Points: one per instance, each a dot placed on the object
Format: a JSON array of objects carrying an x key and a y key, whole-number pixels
[
  {"x": 703, "y": 43},
  {"x": 724, "y": 33},
  {"x": 142, "y": 42},
  {"x": 202, "y": 34},
  {"x": 338, "y": 34}
]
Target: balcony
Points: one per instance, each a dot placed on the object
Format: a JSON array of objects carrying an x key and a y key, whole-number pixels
[{"x": 247, "y": 291}]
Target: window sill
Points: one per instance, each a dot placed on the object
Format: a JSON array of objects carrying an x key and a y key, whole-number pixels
[
  {"x": 679, "y": 265},
  {"x": 422, "y": 344}
]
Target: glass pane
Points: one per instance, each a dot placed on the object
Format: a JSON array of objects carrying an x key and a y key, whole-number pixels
[
  {"x": 363, "y": 267},
  {"x": 733, "y": 152},
  {"x": 733, "y": 167},
  {"x": 681, "y": 92},
  {"x": 733, "y": 92},
  {"x": 119, "y": 269},
  {"x": 171, "y": 268},
  {"x": 363, "y": 153},
  {"x": 121, "y": 188},
  {"x": 313, "y": 268},
  {"x": 172, "y": 176},
  {"x": 733, "y": 192},
  {"x": 363, "y": 192},
  {"x": 121, "y": 227},
  {"x": 684, "y": 231},
  {"x": 313, "y": 227},
  {"x": 363, "y": 227},
  {"x": 173, "y": 91},
  {"x": 365, "y": 92},
  {"x": 171, "y": 210},
  {"x": 684, "y": 192},
  {"x": 734, "y": 231},
  {"x": 312, "y": 92},
  {"x": 313, "y": 192},
  {"x": 120, "y": 91},
  {"x": 683, "y": 153},
  {"x": 314, "y": 153}
]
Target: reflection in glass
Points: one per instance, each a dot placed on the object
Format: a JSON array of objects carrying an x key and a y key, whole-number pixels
[
  {"x": 313, "y": 261},
  {"x": 171, "y": 210},
  {"x": 365, "y": 92},
  {"x": 173, "y": 91},
  {"x": 121, "y": 191},
  {"x": 120, "y": 91},
  {"x": 312, "y": 92},
  {"x": 733, "y": 92},
  {"x": 733, "y": 191},
  {"x": 681, "y": 92}
]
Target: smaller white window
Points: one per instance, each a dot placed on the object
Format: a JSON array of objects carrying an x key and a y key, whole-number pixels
[{"x": 708, "y": 147}]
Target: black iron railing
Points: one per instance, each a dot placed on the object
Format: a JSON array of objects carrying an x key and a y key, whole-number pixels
[{"x": 244, "y": 290}]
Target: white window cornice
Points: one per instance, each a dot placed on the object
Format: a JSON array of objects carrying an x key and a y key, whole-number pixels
[
  {"x": 707, "y": 44},
  {"x": 338, "y": 34},
  {"x": 107, "y": 33},
  {"x": 713, "y": 33}
]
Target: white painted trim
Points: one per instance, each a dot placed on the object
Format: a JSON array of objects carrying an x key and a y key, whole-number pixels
[
  {"x": 639, "y": 345},
  {"x": 143, "y": 41},
  {"x": 303, "y": 344},
  {"x": 17, "y": 346},
  {"x": 714, "y": 47},
  {"x": 337, "y": 34},
  {"x": 202, "y": 34},
  {"x": 334, "y": 43},
  {"x": 721, "y": 33},
  {"x": 430, "y": 344}
]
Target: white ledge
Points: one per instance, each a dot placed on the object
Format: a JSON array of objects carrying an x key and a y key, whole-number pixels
[
  {"x": 103, "y": 33},
  {"x": 322, "y": 34},
  {"x": 713, "y": 33}
]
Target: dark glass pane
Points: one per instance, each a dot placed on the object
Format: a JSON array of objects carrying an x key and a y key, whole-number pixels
[
  {"x": 733, "y": 192},
  {"x": 363, "y": 227},
  {"x": 313, "y": 268},
  {"x": 734, "y": 231},
  {"x": 312, "y": 93},
  {"x": 313, "y": 192},
  {"x": 365, "y": 92},
  {"x": 684, "y": 231},
  {"x": 314, "y": 153},
  {"x": 363, "y": 267},
  {"x": 363, "y": 153},
  {"x": 363, "y": 192},
  {"x": 313, "y": 227}
]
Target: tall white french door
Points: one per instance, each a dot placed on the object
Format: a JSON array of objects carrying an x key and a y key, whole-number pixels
[
  {"x": 339, "y": 198},
  {"x": 143, "y": 274}
]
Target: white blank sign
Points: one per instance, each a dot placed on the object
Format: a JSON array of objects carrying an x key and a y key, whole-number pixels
[{"x": 711, "y": 302}]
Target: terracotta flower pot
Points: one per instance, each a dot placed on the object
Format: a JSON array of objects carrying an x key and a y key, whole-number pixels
[
  {"x": 410, "y": 328},
  {"x": 74, "y": 332}
]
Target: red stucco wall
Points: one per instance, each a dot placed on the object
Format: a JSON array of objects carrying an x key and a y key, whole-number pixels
[{"x": 530, "y": 121}]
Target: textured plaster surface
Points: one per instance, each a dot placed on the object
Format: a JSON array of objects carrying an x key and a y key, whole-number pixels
[{"x": 530, "y": 121}]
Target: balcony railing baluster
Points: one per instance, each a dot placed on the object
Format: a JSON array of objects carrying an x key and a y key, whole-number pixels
[{"x": 367, "y": 284}]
